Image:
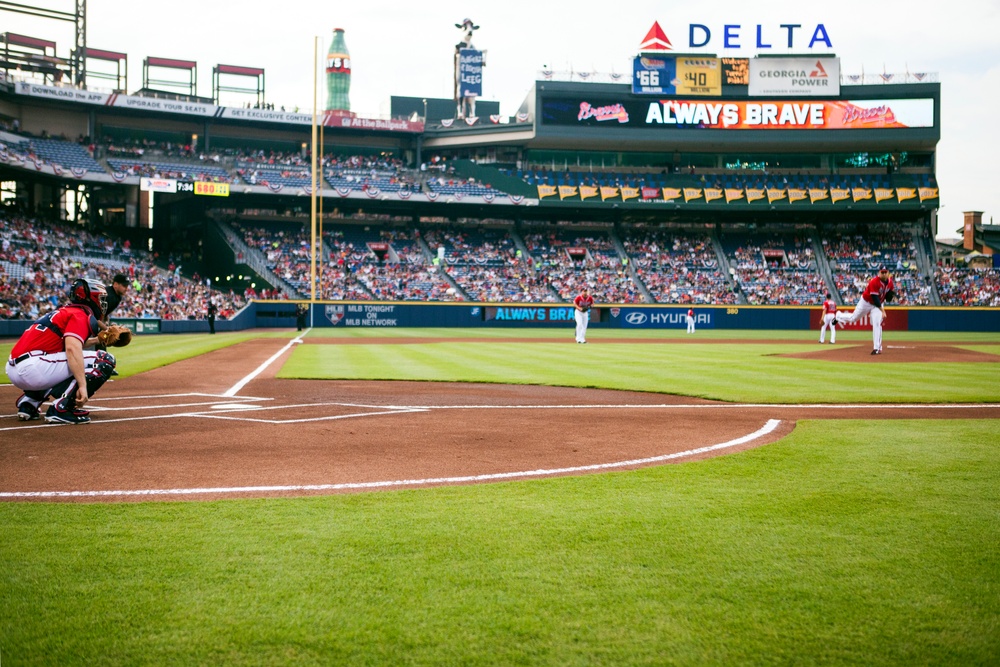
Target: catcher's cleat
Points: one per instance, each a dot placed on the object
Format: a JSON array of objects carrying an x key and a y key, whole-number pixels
[
  {"x": 26, "y": 410},
  {"x": 56, "y": 416}
]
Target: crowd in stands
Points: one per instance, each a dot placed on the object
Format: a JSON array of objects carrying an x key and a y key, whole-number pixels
[
  {"x": 488, "y": 266},
  {"x": 569, "y": 262},
  {"x": 968, "y": 286},
  {"x": 775, "y": 269},
  {"x": 40, "y": 260},
  {"x": 678, "y": 267},
  {"x": 361, "y": 261}
]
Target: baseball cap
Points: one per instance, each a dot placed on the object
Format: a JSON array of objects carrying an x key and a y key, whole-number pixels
[{"x": 883, "y": 268}]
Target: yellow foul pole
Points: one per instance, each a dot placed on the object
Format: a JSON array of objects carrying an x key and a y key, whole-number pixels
[
  {"x": 315, "y": 181},
  {"x": 322, "y": 180}
]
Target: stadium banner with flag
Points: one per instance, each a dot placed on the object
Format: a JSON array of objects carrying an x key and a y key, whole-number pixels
[
  {"x": 839, "y": 194},
  {"x": 882, "y": 194},
  {"x": 608, "y": 192}
]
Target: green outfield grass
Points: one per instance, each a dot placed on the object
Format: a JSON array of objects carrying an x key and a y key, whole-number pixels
[
  {"x": 848, "y": 542},
  {"x": 753, "y": 371}
]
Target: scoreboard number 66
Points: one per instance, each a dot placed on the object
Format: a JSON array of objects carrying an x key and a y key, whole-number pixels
[{"x": 648, "y": 78}]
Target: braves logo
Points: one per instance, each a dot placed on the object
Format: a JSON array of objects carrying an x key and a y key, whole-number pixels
[{"x": 335, "y": 314}]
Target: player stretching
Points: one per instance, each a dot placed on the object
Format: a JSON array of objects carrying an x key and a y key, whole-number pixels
[
  {"x": 829, "y": 321},
  {"x": 49, "y": 360},
  {"x": 582, "y": 304},
  {"x": 880, "y": 290}
]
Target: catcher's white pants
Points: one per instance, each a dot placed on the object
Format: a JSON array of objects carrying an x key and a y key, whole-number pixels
[
  {"x": 875, "y": 314},
  {"x": 582, "y": 318},
  {"x": 43, "y": 371},
  {"x": 690, "y": 323},
  {"x": 828, "y": 323}
]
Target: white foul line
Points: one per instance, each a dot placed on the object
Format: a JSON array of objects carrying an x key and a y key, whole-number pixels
[
  {"x": 260, "y": 369},
  {"x": 768, "y": 427}
]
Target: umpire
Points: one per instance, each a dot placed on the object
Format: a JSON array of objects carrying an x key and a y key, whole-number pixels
[{"x": 116, "y": 290}]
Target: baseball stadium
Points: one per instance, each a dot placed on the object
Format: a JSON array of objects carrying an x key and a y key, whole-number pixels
[{"x": 300, "y": 386}]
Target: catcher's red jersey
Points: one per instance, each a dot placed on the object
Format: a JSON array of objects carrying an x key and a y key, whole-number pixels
[
  {"x": 876, "y": 286},
  {"x": 46, "y": 333}
]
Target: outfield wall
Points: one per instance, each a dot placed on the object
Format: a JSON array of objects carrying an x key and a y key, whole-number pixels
[
  {"x": 367, "y": 314},
  {"x": 374, "y": 315}
]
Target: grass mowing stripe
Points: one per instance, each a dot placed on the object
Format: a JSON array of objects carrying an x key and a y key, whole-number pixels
[
  {"x": 830, "y": 546},
  {"x": 741, "y": 373}
]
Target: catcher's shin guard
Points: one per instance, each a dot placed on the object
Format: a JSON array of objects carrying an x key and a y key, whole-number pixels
[{"x": 99, "y": 373}]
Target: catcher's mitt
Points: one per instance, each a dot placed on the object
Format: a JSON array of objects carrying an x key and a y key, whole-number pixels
[{"x": 115, "y": 336}]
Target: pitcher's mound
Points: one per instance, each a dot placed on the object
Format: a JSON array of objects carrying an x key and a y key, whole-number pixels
[{"x": 894, "y": 353}]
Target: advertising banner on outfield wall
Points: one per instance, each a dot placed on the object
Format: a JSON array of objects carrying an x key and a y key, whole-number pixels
[
  {"x": 693, "y": 114},
  {"x": 814, "y": 77}
]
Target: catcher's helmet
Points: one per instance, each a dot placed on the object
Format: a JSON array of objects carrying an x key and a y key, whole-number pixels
[{"x": 90, "y": 293}]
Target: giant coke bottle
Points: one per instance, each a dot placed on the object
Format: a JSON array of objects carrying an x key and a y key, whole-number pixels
[{"x": 338, "y": 74}]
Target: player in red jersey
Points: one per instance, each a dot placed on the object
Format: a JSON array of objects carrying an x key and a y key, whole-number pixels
[
  {"x": 582, "y": 303},
  {"x": 690, "y": 320},
  {"x": 829, "y": 321},
  {"x": 49, "y": 360},
  {"x": 880, "y": 290}
]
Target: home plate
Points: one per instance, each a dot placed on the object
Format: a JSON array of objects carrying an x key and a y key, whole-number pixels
[{"x": 235, "y": 406}]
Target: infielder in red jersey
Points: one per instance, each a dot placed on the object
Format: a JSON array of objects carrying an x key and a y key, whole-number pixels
[
  {"x": 880, "y": 290},
  {"x": 829, "y": 321},
  {"x": 48, "y": 359},
  {"x": 690, "y": 320},
  {"x": 582, "y": 303}
]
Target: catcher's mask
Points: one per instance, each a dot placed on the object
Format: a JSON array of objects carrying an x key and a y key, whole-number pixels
[{"x": 90, "y": 293}]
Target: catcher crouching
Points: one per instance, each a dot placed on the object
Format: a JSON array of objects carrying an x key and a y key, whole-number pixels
[{"x": 48, "y": 360}]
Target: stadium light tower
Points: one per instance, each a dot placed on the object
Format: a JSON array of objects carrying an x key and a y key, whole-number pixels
[{"x": 78, "y": 55}]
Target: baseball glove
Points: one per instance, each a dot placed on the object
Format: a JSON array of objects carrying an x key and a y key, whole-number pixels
[{"x": 115, "y": 336}]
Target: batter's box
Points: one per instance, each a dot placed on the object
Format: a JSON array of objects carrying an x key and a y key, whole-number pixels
[{"x": 123, "y": 406}]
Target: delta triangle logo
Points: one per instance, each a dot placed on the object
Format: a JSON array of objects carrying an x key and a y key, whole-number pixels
[
  {"x": 819, "y": 72},
  {"x": 655, "y": 40}
]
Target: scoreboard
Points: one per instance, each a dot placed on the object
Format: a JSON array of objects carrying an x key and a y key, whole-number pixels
[{"x": 676, "y": 75}]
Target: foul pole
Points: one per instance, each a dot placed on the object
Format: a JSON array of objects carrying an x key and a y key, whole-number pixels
[{"x": 312, "y": 198}]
